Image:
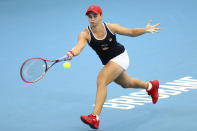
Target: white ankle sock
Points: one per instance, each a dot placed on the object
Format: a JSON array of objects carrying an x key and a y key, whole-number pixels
[
  {"x": 97, "y": 117},
  {"x": 149, "y": 86}
]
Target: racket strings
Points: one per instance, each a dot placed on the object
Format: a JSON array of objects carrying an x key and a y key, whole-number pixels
[{"x": 34, "y": 69}]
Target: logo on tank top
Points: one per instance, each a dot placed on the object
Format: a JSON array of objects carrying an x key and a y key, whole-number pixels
[
  {"x": 104, "y": 47},
  {"x": 110, "y": 39}
]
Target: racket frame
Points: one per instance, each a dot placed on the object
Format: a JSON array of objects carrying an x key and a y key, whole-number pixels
[{"x": 46, "y": 70}]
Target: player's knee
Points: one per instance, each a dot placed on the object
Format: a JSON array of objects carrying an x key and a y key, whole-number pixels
[
  {"x": 101, "y": 82},
  {"x": 125, "y": 85}
]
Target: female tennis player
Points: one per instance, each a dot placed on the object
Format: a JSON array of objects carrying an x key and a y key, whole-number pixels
[{"x": 102, "y": 38}]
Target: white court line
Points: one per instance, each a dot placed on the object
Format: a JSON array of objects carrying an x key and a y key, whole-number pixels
[{"x": 139, "y": 98}]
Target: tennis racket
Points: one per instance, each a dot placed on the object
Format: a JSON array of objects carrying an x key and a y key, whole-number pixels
[{"x": 35, "y": 68}]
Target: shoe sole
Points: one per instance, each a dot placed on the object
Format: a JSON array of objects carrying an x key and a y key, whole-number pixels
[
  {"x": 157, "y": 86},
  {"x": 84, "y": 121}
]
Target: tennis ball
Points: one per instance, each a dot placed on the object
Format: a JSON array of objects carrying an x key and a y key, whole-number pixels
[{"x": 66, "y": 65}]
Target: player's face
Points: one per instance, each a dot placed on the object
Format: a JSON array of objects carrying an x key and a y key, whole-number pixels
[{"x": 94, "y": 18}]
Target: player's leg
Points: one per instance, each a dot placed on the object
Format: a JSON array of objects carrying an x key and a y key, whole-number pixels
[
  {"x": 127, "y": 82},
  {"x": 108, "y": 74}
]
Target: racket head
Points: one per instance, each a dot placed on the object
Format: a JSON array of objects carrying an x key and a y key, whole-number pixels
[{"x": 33, "y": 69}]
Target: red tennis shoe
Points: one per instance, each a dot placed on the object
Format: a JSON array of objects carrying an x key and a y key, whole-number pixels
[
  {"x": 153, "y": 92},
  {"x": 91, "y": 121}
]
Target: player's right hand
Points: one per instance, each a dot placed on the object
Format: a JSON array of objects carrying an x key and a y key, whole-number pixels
[{"x": 70, "y": 55}]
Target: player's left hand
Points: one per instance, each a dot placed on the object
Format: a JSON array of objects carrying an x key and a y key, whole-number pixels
[{"x": 152, "y": 28}]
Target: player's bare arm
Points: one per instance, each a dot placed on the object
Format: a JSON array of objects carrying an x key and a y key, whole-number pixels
[
  {"x": 134, "y": 32},
  {"x": 82, "y": 40}
]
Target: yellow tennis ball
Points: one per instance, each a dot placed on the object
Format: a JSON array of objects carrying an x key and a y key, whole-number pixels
[{"x": 66, "y": 65}]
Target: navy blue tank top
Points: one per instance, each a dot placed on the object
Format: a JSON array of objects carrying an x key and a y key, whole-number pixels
[{"x": 106, "y": 48}]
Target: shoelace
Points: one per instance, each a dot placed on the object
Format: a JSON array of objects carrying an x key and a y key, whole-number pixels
[{"x": 91, "y": 115}]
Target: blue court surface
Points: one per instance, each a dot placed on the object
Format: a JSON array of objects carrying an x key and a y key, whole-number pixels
[{"x": 48, "y": 29}]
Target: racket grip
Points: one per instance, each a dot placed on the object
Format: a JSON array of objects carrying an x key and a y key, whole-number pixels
[{"x": 63, "y": 58}]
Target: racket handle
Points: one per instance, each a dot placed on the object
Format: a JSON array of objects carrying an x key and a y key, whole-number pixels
[{"x": 63, "y": 58}]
